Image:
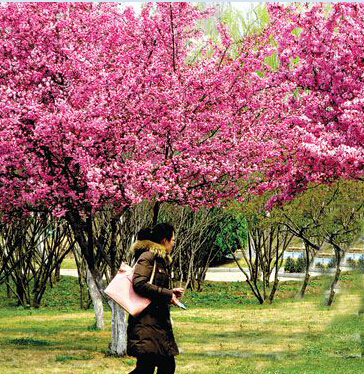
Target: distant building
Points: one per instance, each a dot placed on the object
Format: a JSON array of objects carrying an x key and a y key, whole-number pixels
[{"x": 293, "y": 252}]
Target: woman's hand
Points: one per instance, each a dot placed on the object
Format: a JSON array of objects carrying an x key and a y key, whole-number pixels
[
  {"x": 174, "y": 300},
  {"x": 178, "y": 292}
]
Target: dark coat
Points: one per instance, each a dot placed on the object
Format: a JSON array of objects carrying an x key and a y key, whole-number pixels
[{"x": 151, "y": 331}]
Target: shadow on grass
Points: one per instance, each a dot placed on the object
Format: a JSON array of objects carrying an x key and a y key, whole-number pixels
[
  {"x": 71, "y": 339},
  {"x": 65, "y": 358},
  {"x": 239, "y": 354},
  {"x": 30, "y": 342},
  {"x": 252, "y": 336}
]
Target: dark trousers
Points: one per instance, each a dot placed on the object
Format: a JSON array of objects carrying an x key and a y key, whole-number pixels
[{"x": 147, "y": 363}]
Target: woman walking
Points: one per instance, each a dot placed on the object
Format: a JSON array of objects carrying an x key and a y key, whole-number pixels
[{"x": 150, "y": 335}]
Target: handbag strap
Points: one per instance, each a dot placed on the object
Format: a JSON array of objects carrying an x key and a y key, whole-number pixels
[{"x": 153, "y": 272}]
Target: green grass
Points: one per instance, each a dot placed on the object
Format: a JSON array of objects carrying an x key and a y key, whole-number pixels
[
  {"x": 68, "y": 263},
  {"x": 223, "y": 331},
  {"x": 64, "y": 296}
]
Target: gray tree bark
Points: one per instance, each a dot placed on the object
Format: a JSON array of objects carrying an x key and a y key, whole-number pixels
[
  {"x": 96, "y": 300},
  {"x": 118, "y": 329}
]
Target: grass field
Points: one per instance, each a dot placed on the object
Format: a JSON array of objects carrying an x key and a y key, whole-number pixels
[
  {"x": 68, "y": 263},
  {"x": 223, "y": 331}
]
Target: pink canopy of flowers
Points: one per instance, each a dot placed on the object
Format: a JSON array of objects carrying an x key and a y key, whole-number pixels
[
  {"x": 321, "y": 53},
  {"x": 101, "y": 107}
]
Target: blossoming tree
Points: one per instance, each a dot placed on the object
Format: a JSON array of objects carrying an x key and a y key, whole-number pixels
[
  {"x": 100, "y": 108},
  {"x": 320, "y": 61}
]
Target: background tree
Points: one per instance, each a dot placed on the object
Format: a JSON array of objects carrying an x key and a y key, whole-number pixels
[
  {"x": 343, "y": 224},
  {"x": 267, "y": 240},
  {"x": 195, "y": 249},
  {"x": 232, "y": 233},
  {"x": 33, "y": 249},
  {"x": 303, "y": 218},
  {"x": 326, "y": 214}
]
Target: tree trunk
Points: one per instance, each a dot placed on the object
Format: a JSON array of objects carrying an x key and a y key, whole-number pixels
[
  {"x": 118, "y": 322},
  {"x": 82, "y": 281},
  {"x": 96, "y": 300},
  {"x": 83, "y": 234},
  {"x": 180, "y": 268},
  {"x": 276, "y": 281},
  {"x": 156, "y": 208},
  {"x": 20, "y": 292},
  {"x": 201, "y": 275},
  {"x": 333, "y": 284},
  {"x": 252, "y": 277},
  {"x": 305, "y": 283},
  {"x": 189, "y": 281},
  {"x": 84, "y": 292},
  {"x": 8, "y": 290},
  {"x": 118, "y": 330},
  {"x": 361, "y": 308},
  {"x": 264, "y": 284},
  {"x": 273, "y": 290},
  {"x": 309, "y": 260},
  {"x": 58, "y": 273}
]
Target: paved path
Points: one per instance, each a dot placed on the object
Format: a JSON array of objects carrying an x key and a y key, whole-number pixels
[
  {"x": 69, "y": 272},
  {"x": 233, "y": 274}
]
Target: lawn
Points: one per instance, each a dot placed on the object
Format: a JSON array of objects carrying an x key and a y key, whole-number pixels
[
  {"x": 224, "y": 330},
  {"x": 69, "y": 263}
]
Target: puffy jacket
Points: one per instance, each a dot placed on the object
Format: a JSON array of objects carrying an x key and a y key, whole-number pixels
[{"x": 151, "y": 331}]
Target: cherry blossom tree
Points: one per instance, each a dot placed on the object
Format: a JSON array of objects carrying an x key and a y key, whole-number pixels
[
  {"x": 103, "y": 109},
  {"x": 100, "y": 108},
  {"x": 320, "y": 62}
]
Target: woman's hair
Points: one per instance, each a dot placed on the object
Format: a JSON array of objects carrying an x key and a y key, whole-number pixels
[
  {"x": 162, "y": 231},
  {"x": 157, "y": 233},
  {"x": 144, "y": 234}
]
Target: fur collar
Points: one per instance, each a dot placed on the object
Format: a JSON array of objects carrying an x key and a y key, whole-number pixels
[{"x": 158, "y": 250}]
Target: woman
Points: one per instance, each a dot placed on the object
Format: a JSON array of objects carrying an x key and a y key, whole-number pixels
[{"x": 150, "y": 335}]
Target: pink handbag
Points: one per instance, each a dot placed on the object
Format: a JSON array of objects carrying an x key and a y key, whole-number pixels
[{"x": 121, "y": 290}]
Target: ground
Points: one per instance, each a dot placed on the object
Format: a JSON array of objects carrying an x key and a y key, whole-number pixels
[{"x": 223, "y": 331}]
